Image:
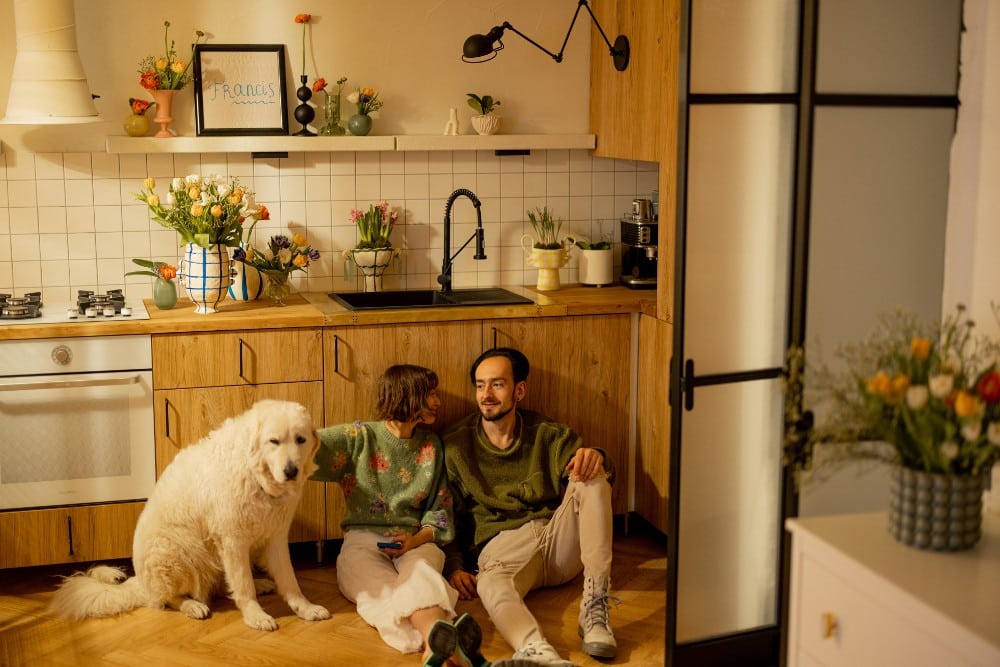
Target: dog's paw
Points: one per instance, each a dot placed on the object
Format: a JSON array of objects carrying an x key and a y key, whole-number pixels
[
  {"x": 107, "y": 574},
  {"x": 195, "y": 609},
  {"x": 258, "y": 619},
  {"x": 264, "y": 586},
  {"x": 312, "y": 612}
]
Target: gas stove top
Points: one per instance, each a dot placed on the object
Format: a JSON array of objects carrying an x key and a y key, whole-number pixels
[{"x": 90, "y": 306}]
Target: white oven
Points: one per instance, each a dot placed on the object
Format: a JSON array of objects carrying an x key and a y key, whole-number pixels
[{"x": 76, "y": 421}]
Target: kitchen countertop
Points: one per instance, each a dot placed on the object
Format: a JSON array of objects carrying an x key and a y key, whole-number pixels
[{"x": 315, "y": 309}]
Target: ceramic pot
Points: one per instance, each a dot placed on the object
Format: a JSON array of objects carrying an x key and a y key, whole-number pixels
[
  {"x": 247, "y": 283},
  {"x": 371, "y": 264},
  {"x": 206, "y": 275},
  {"x": 164, "y": 108},
  {"x": 486, "y": 124},
  {"x": 935, "y": 511},
  {"x": 547, "y": 261},
  {"x": 136, "y": 125},
  {"x": 164, "y": 293},
  {"x": 359, "y": 124},
  {"x": 597, "y": 267}
]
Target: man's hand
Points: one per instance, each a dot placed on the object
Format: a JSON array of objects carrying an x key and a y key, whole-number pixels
[
  {"x": 465, "y": 583},
  {"x": 585, "y": 465}
]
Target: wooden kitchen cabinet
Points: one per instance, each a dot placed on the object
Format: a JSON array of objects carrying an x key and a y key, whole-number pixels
[
  {"x": 202, "y": 379},
  {"x": 580, "y": 369},
  {"x": 652, "y": 442},
  {"x": 68, "y": 534}
]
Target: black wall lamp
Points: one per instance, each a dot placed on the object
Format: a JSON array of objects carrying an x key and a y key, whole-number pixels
[{"x": 480, "y": 48}]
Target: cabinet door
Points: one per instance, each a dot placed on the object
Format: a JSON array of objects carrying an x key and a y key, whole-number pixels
[
  {"x": 68, "y": 534},
  {"x": 652, "y": 447},
  {"x": 237, "y": 358},
  {"x": 579, "y": 376},
  {"x": 184, "y": 416},
  {"x": 355, "y": 357}
]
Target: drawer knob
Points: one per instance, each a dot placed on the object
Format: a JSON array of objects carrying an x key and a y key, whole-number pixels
[{"x": 829, "y": 628}]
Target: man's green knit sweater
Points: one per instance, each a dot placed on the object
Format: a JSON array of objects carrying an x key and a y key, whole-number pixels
[
  {"x": 390, "y": 484},
  {"x": 502, "y": 489}
]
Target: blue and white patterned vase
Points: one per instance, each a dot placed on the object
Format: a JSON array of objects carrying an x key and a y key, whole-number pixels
[
  {"x": 206, "y": 275},
  {"x": 248, "y": 283}
]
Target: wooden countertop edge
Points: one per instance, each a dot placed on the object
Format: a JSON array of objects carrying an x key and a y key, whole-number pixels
[{"x": 316, "y": 309}]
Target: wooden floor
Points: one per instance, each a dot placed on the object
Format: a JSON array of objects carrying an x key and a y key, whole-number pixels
[{"x": 29, "y": 635}]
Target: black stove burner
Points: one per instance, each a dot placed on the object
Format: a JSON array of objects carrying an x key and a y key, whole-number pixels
[
  {"x": 20, "y": 307},
  {"x": 113, "y": 299}
]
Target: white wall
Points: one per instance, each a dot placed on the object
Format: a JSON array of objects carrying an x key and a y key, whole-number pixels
[{"x": 69, "y": 220}]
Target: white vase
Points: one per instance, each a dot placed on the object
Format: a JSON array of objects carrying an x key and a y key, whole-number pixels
[
  {"x": 248, "y": 284},
  {"x": 486, "y": 124},
  {"x": 206, "y": 274},
  {"x": 597, "y": 267},
  {"x": 372, "y": 264},
  {"x": 548, "y": 261}
]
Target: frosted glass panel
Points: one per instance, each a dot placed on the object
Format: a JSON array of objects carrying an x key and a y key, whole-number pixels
[
  {"x": 730, "y": 490},
  {"x": 889, "y": 47},
  {"x": 744, "y": 46},
  {"x": 739, "y": 220}
]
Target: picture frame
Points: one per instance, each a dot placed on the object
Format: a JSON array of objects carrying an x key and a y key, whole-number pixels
[{"x": 239, "y": 90}]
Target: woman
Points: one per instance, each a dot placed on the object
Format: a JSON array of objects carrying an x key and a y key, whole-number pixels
[{"x": 398, "y": 512}]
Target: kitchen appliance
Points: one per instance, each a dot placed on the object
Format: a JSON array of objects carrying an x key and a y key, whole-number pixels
[
  {"x": 76, "y": 418},
  {"x": 639, "y": 249},
  {"x": 90, "y": 306}
]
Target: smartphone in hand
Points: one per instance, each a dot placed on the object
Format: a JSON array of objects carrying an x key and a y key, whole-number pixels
[{"x": 388, "y": 545}]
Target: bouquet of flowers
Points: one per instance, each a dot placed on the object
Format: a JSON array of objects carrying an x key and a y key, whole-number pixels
[
  {"x": 366, "y": 99},
  {"x": 206, "y": 211},
  {"x": 166, "y": 72},
  {"x": 282, "y": 255},
  {"x": 374, "y": 226},
  {"x": 927, "y": 398}
]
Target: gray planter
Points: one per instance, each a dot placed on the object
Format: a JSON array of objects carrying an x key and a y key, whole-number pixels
[{"x": 935, "y": 511}]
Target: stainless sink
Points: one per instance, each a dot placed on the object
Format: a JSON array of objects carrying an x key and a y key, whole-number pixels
[{"x": 425, "y": 298}]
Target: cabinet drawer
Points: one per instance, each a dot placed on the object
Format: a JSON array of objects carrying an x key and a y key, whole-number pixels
[
  {"x": 237, "y": 358},
  {"x": 868, "y": 631}
]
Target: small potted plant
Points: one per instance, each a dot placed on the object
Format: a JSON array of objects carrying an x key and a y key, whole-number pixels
[
  {"x": 373, "y": 251},
  {"x": 596, "y": 263},
  {"x": 547, "y": 251},
  {"x": 485, "y": 121}
]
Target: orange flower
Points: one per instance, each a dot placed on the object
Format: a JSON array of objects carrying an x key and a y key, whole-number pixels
[
  {"x": 264, "y": 213},
  {"x": 149, "y": 80},
  {"x": 920, "y": 348},
  {"x": 168, "y": 272},
  {"x": 303, "y": 18},
  {"x": 319, "y": 85},
  {"x": 139, "y": 106},
  {"x": 966, "y": 404}
]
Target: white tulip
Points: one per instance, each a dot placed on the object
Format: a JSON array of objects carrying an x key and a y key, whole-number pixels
[
  {"x": 941, "y": 385},
  {"x": 170, "y": 198},
  {"x": 972, "y": 431},
  {"x": 177, "y": 184},
  {"x": 352, "y": 97},
  {"x": 993, "y": 433},
  {"x": 949, "y": 449},
  {"x": 206, "y": 199},
  {"x": 917, "y": 396},
  {"x": 193, "y": 179}
]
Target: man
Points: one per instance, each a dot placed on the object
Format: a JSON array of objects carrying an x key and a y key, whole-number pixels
[{"x": 533, "y": 509}]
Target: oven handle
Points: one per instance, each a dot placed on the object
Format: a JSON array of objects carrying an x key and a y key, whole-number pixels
[{"x": 65, "y": 384}]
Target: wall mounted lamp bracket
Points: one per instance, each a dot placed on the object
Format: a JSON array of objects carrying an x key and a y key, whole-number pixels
[{"x": 480, "y": 48}]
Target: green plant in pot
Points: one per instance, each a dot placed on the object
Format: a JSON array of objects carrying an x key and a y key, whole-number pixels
[
  {"x": 485, "y": 121},
  {"x": 546, "y": 251},
  {"x": 922, "y": 398},
  {"x": 373, "y": 251},
  {"x": 596, "y": 262}
]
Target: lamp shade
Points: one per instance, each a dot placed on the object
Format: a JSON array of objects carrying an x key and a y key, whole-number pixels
[{"x": 48, "y": 84}]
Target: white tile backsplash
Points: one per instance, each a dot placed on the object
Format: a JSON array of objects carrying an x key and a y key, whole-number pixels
[{"x": 71, "y": 221}]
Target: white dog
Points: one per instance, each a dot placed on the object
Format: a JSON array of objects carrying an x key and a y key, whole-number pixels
[{"x": 220, "y": 505}]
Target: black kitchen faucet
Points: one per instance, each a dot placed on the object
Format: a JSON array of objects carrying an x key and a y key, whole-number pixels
[{"x": 445, "y": 278}]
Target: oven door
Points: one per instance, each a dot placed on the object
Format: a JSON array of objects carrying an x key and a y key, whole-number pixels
[{"x": 76, "y": 438}]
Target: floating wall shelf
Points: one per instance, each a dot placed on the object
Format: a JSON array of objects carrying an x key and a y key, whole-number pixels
[{"x": 428, "y": 142}]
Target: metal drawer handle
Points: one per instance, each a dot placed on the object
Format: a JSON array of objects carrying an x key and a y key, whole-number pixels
[
  {"x": 829, "y": 623},
  {"x": 67, "y": 384}
]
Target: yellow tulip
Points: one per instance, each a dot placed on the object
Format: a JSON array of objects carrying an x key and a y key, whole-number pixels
[
  {"x": 900, "y": 384},
  {"x": 299, "y": 240},
  {"x": 966, "y": 405},
  {"x": 920, "y": 348},
  {"x": 149, "y": 183},
  {"x": 161, "y": 64},
  {"x": 194, "y": 192},
  {"x": 216, "y": 211},
  {"x": 301, "y": 261},
  {"x": 153, "y": 200},
  {"x": 178, "y": 66},
  {"x": 197, "y": 210},
  {"x": 880, "y": 384}
]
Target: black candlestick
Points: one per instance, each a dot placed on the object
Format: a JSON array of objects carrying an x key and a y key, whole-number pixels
[{"x": 304, "y": 113}]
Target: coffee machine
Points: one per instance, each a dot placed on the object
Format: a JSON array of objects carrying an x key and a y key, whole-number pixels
[{"x": 639, "y": 238}]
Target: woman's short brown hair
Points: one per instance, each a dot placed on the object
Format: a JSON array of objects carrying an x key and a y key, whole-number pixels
[{"x": 403, "y": 391}]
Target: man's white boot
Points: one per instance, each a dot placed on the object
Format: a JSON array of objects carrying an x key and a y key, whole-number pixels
[{"x": 594, "y": 624}]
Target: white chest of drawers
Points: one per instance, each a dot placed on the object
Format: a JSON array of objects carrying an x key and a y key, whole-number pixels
[{"x": 860, "y": 598}]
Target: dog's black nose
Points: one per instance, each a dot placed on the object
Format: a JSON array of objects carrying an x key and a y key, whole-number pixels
[{"x": 291, "y": 471}]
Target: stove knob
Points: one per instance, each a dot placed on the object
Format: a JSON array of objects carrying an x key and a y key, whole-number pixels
[{"x": 62, "y": 355}]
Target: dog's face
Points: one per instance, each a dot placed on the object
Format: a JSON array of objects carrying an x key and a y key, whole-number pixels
[{"x": 286, "y": 444}]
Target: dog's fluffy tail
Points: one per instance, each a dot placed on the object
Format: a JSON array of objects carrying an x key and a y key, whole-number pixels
[{"x": 100, "y": 591}]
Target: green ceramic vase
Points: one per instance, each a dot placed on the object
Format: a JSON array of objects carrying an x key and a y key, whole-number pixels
[{"x": 164, "y": 293}]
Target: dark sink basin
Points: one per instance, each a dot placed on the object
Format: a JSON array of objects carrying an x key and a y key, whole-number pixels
[{"x": 425, "y": 298}]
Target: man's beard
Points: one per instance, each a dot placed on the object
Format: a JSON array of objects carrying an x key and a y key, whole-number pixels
[{"x": 497, "y": 416}]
